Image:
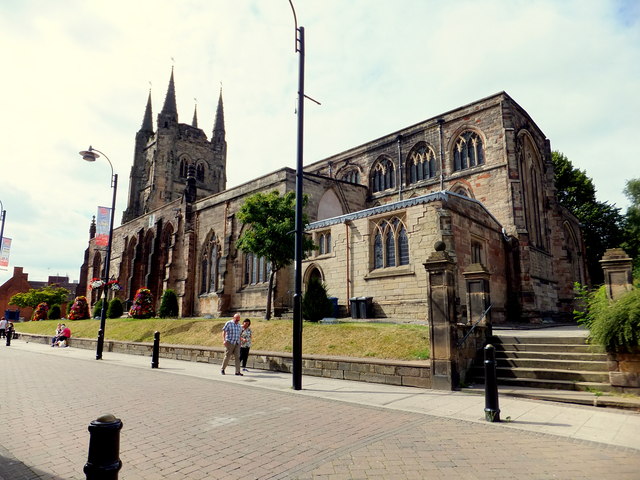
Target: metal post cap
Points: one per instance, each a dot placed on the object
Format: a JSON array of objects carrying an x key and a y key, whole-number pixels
[{"x": 106, "y": 418}]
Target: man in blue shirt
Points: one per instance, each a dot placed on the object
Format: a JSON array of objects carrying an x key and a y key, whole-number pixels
[{"x": 231, "y": 338}]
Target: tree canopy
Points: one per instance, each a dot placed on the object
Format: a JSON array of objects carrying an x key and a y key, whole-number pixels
[
  {"x": 269, "y": 220},
  {"x": 51, "y": 294},
  {"x": 602, "y": 223}
]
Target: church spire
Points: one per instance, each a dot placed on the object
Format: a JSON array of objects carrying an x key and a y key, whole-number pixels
[
  {"x": 219, "y": 123},
  {"x": 169, "y": 113},
  {"x": 194, "y": 122},
  {"x": 147, "y": 121},
  {"x": 218, "y": 127}
]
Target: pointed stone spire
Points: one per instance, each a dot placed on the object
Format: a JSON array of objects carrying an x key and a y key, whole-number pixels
[
  {"x": 218, "y": 127},
  {"x": 169, "y": 113},
  {"x": 147, "y": 121},
  {"x": 194, "y": 122}
]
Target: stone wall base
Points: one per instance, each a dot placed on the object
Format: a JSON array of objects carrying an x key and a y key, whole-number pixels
[{"x": 391, "y": 372}]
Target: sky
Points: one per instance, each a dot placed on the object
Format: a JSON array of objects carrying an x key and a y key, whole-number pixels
[{"x": 78, "y": 73}]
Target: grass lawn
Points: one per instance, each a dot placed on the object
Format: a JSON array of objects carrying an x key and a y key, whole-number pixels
[{"x": 350, "y": 339}]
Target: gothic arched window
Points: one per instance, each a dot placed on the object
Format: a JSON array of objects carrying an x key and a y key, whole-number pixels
[
  {"x": 200, "y": 172},
  {"x": 421, "y": 164},
  {"x": 210, "y": 266},
  {"x": 390, "y": 244},
  {"x": 351, "y": 176},
  {"x": 468, "y": 151},
  {"x": 324, "y": 242},
  {"x": 256, "y": 269},
  {"x": 383, "y": 175},
  {"x": 184, "y": 167}
]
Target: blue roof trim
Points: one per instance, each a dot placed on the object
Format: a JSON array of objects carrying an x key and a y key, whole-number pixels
[{"x": 390, "y": 207}]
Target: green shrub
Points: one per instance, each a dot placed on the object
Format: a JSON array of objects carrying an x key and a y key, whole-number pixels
[
  {"x": 97, "y": 309},
  {"x": 612, "y": 324},
  {"x": 315, "y": 302},
  {"x": 54, "y": 313},
  {"x": 168, "y": 304},
  {"x": 115, "y": 309}
]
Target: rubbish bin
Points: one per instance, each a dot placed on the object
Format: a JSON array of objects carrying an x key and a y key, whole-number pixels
[
  {"x": 353, "y": 304},
  {"x": 334, "y": 306},
  {"x": 364, "y": 307}
]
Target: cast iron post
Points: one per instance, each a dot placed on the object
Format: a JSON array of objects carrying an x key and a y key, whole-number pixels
[
  {"x": 156, "y": 350},
  {"x": 297, "y": 296},
  {"x": 103, "y": 462},
  {"x": 491, "y": 407}
]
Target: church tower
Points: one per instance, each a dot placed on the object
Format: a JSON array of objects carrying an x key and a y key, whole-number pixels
[{"x": 162, "y": 158}]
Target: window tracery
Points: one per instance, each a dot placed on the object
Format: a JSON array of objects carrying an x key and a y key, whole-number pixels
[
  {"x": 383, "y": 175},
  {"x": 421, "y": 164},
  {"x": 390, "y": 244},
  {"x": 468, "y": 151}
]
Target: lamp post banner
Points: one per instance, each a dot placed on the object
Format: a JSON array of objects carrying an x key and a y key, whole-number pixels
[
  {"x": 102, "y": 226},
  {"x": 4, "y": 253}
]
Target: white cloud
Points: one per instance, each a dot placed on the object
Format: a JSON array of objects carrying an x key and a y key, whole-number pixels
[{"x": 78, "y": 73}]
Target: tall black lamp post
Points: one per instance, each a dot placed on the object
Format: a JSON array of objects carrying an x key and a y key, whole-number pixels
[
  {"x": 297, "y": 295},
  {"x": 90, "y": 156}
]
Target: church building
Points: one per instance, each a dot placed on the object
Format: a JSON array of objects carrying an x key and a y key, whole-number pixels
[{"x": 477, "y": 181}]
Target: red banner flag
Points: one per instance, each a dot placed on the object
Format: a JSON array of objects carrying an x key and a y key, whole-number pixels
[
  {"x": 102, "y": 226},
  {"x": 4, "y": 253}
]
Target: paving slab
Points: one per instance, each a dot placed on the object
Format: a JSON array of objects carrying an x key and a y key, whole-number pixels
[{"x": 185, "y": 420}]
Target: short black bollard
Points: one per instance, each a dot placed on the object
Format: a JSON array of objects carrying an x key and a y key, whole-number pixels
[
  {"x": 155, "y": 356},
  {"x": 104, "y": 449},
  {"x": 491, "y": 408},
  {"x": 100, "y": 345}
]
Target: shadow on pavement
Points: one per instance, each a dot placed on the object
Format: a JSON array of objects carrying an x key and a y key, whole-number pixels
[{"x": 12, "y": 469}]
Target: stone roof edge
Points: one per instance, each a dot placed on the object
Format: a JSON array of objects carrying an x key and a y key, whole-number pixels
[{"x": 442, "y": 195}]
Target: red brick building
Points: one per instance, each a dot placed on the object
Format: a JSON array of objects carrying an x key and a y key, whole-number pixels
[{"x": 19, "y": 283}]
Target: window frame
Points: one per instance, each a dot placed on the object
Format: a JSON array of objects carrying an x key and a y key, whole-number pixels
[
  {"x": 468, "y": 151},
  {"x": 390, "y": 244}
]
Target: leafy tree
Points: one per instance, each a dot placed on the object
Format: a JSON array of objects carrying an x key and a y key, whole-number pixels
[
  {"x": 168, "y": 304},
  {"x": 602, "y": 224},
  {"x": 632, "y": 223},
  {"x": 51, "y": 294},
  {"x": 115, "y": 309},
  {"x": 315, "y": 302},
  {"x": 270, "y": 221}
]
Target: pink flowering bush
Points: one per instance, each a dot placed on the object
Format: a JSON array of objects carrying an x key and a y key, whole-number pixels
[
  {"x": 142, "y": 304},
  {"x": 40, "y": 312},
  {"x": 79, "y": 309}
]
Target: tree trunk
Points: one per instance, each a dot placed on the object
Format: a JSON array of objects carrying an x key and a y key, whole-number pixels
[{"x": 267, "y": 314}]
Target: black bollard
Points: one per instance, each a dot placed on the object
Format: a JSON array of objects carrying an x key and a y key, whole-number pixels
[
  {"x": 491, "y": 408},
  {"x": 104, "y": 449},
  {"x": 155, "y": 357},
  {"x": 100, "y": 345}
]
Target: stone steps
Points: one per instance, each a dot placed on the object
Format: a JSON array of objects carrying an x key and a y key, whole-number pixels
[{"x": 561, "y": 363}]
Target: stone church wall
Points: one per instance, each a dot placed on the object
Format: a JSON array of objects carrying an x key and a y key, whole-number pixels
[{"x": 482, "y": 218}]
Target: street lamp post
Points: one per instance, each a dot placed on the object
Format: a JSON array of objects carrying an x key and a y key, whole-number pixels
[
  {"x": 297, "y": 296},
  {"x": 90, "y": 156}
]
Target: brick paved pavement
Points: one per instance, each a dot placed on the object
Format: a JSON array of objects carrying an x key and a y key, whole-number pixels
[{"x": 185, "y": 427}]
